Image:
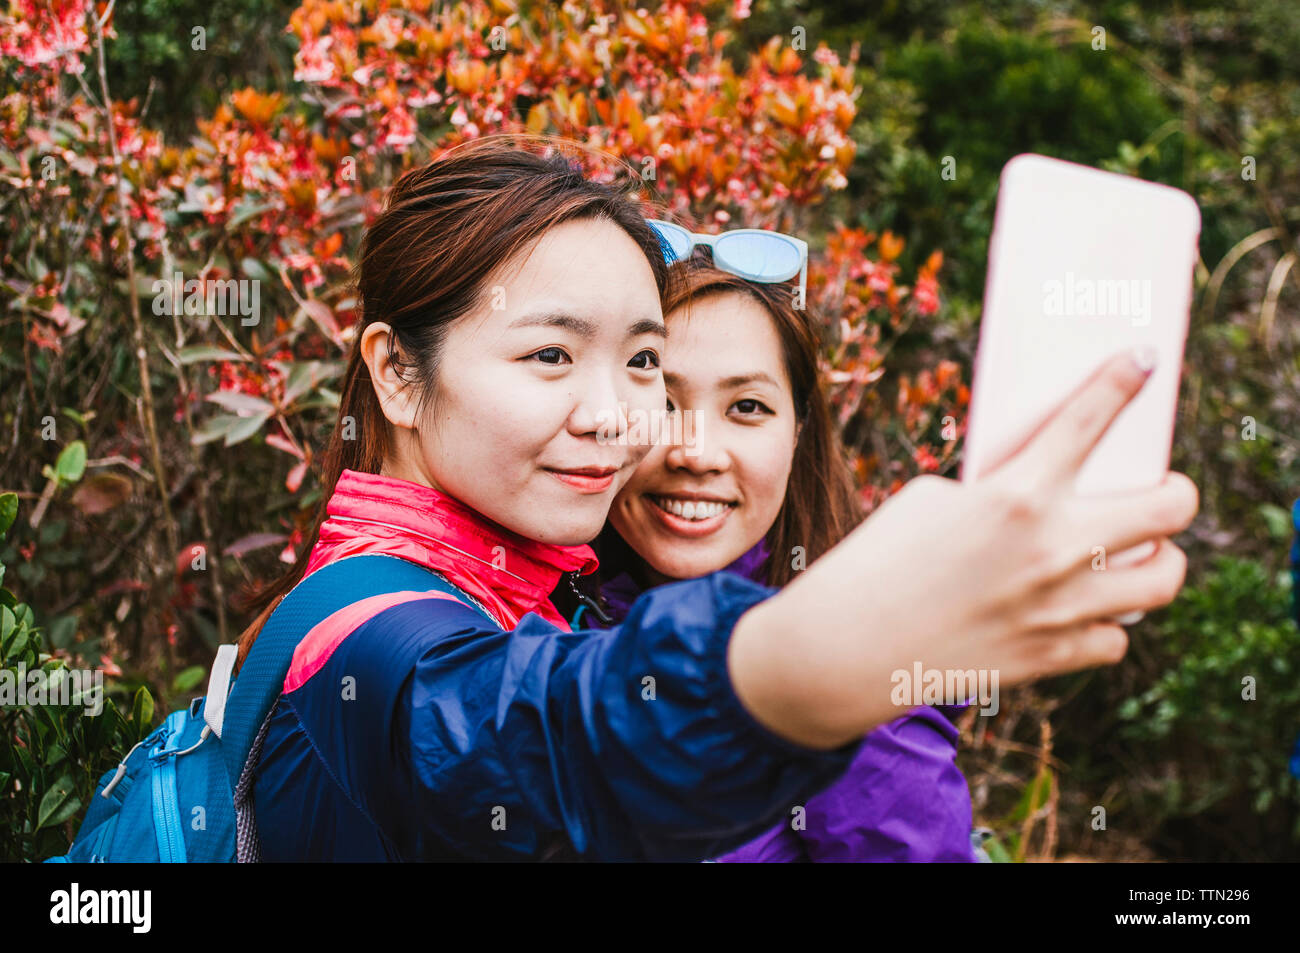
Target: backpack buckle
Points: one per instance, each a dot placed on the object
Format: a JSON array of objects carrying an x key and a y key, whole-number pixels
[{"x": 165, "y": 746}]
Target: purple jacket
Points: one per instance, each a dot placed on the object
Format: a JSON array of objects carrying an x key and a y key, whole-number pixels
[{"x": 901, "y": 799}]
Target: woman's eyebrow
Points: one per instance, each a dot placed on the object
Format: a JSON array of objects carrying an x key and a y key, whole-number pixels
[
  {"x": 583, "y": 327},
  {"x": 672, "y": 379},
  {"x": 740, "y": 380},
  {"x": 556, "y": 319},
  {"x": 648, "y": 326}
]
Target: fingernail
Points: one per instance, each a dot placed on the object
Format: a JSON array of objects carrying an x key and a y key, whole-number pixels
[{"x": 1145, "y": 359}]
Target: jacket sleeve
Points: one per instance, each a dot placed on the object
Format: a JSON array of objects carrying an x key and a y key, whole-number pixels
[
  {"x": 627, "y": 743},
  {"x": 902, "y": 799}
]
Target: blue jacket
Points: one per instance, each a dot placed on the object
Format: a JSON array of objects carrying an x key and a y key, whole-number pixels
[{"x": 413, "y": 729}]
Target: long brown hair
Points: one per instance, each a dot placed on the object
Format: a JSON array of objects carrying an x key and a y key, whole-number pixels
[
  {"x": 821, "y": 504},
  {"x": 425, "y": 262}
]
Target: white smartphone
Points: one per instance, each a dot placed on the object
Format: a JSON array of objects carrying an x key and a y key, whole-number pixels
[{"x": 1082, "y": 264}]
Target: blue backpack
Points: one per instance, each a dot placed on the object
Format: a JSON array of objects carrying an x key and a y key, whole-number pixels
[{"x": 172, "y": 798}]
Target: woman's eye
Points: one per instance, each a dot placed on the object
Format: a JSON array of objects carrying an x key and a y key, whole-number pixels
[
  {"x": 550, "y": 355},
  {"x": 751, "y": 406},
  {"x": 644, "y": 360}
]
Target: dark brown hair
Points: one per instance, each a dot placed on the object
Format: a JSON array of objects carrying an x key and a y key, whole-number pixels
[
  {"x": 821, "y": 503},
  {"x": 425, "y": 262}
]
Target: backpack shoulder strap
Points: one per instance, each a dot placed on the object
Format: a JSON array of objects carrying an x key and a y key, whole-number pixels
[{"x": 313, "y": 600}]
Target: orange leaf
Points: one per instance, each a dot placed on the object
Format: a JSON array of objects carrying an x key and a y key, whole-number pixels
[
  {"x": 328, "y": 247},
  {"x": 256, "y": 107},
  {"x": 891, "y": 246}
]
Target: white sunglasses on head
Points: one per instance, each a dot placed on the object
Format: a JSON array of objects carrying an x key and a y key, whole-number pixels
[{"x": 755, "y": 254}]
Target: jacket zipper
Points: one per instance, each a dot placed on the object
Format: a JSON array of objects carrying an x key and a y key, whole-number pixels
[{"x": 601, "y": 615}]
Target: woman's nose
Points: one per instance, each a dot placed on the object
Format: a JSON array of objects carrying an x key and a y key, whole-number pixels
[
  {"x": 694, "y": 445},
  {"x": 598, "y": 409}
]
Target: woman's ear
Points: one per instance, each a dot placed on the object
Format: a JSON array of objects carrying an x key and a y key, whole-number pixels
[{"x": 396, "y": 398}]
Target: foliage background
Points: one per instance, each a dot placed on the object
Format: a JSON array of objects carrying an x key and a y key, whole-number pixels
[{"x": 258, "y": 147}]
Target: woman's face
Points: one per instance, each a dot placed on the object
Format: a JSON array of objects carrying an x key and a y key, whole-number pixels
[
  {"x": 688, "y": 511},
  {"x": 528, "y": 390}
]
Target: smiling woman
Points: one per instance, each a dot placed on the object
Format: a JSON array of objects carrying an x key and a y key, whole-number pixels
[
  {"x": 763, "y": 461},
  {"x": 521, "y": 385},
  {"x": 692, "y": 510}
]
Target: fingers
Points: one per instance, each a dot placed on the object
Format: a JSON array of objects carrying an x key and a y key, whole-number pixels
[
  {"x": 1058, "y": 448},
  {"x": 1069, "y": 649},
  {"x": 1091, "y": 594},
  {"x": 1118, "y": 522}
]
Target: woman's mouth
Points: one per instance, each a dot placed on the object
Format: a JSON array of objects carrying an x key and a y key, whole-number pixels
[
  {"x": 586, "y": 479},
  {"x": 690, "y": 517}
]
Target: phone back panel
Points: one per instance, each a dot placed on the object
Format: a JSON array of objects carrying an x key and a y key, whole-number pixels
[{"x": 1082, "y": 263}]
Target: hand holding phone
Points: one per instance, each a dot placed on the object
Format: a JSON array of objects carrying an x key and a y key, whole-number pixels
[{"x": 1083, "y": 264}]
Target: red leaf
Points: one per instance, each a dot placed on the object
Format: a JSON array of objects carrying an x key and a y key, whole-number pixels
[
  {"x": 281, "y": 442},
  {"x": 295, "y": 477},
  {"x": 251, "y": 542}
]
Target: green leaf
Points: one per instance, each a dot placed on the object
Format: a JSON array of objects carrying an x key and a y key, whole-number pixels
[
  {"x": 9, "y": 631},
  {"x": 1035, "y": 796},
  {"x": 55, "y": 801},
  {"x": 62, "y": 630},
  {"x": 72, "y": 462},
  {"x": 215, "y": 428},
  {"x": 302, "y": 376},
  {"x": 254, "y": 269},
  {"x": 23, "y": 613},
  {"x": 8, "y": 512},
  {"x": 245, "y": 428},
  {"x": 997, "y": 853},
  {"x": 52, "y": 531},
  {"x": 1277, "y": 520},
  {"x": 36, "y": 268},
  {"x": 142, "y": 711},
  {"x": 76, "y": 416},
  {"x": 192, "y": 355},
  {"x": 26, "y": 766},
  {"x": 243, "y": 213},
  {"x": 237, "y": 402},
  {"x": 187, "y": 679}
]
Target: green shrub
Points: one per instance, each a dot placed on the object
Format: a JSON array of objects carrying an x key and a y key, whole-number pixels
[
  {"x": 50, "y": 755},
  {"x": 1227, "y": 706}
]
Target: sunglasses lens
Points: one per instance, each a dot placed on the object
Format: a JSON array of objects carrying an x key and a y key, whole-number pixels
[
  {"x": 759, "y": 257},
  {"x": 675, "y": 242}
]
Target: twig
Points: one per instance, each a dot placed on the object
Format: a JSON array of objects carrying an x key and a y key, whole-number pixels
[
  {"x": 196, "y": 461},
  {"x": 137, "y": 326},
  {"x": 118, "y": 460}
]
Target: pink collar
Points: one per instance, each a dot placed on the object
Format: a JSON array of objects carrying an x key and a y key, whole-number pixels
[{"x": 509, "y": 574}]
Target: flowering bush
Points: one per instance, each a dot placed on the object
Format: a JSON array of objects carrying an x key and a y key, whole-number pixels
[{"x": 120, "y": 250}]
